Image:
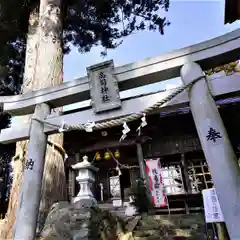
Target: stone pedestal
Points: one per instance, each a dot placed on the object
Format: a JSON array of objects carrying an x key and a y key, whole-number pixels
[
  {"x": 85, "y": 178},
  {"x": 82, "y": 220},
  {"x": 66, "y": 221}
]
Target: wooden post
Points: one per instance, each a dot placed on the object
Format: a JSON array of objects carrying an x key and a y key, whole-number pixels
[
  {"x": 143, "y": 174},
  {"x": 185, "y": 171},
  {"x": 221, "y": 231},
  {"x": 77, "y": 157},
  {"x": 71, "y": 184},
  {"x": 32, "y": 180},
  {"x": 141, "y": 162},
  {"x": 216, "y": 146}
]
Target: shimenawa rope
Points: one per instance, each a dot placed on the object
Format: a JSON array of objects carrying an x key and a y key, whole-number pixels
[{"x": 121, "y": 120}]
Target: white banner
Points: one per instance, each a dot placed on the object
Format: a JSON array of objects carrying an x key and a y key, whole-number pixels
[
  {"x": 212, "y": 209},
  {"x": 156, "y": 184}
]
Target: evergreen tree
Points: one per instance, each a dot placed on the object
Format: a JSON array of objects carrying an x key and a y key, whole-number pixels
[
  {"x": 6, "y": 151},
  {"x": 85, "y": 24},
  {"x": 44, "y": 31}
]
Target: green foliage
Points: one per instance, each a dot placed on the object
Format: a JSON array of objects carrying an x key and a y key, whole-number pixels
[
  {"x": 86, "y": 23},
  {"x": 93, "y": 22}
]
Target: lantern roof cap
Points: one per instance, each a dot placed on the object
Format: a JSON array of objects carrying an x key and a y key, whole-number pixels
[{"x": 85, "y": 164}]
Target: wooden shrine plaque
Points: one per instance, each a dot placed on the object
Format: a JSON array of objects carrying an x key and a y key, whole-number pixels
[{"x": 104, "y": 89}]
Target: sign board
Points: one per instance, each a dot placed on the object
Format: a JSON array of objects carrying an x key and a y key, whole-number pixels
[
  {"x": 212, "y": 209},
  {"x": 156, "y": 183},
  {"x": 115, "y": 188},
  {"x": 104, "y": 89},
  {"x": 117, "y": 202}
]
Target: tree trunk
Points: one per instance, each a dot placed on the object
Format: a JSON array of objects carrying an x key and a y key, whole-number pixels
[
  {"x": 43, "y": 68},
  {"x": 49, "y": 73},
  {"x": 6, "y": 230}
]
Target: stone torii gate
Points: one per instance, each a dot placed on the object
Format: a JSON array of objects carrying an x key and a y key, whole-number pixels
[{"x": 103, "y": 84}]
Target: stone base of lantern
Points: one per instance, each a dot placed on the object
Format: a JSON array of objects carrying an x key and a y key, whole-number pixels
[
  {"x": 117, "y": 202},
  {"x": 81, "y": 220},
  {"x": 65, "y": 221},
  {"x": 82, "y": 203}
]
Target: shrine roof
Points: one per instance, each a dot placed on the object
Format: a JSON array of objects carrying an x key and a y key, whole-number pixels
[{"x": 185, "y": 110}]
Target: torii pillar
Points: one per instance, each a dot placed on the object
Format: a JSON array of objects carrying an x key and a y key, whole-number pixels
[
  {"x": 216, "y": 145},
  {"x": 30, "y": 196}
]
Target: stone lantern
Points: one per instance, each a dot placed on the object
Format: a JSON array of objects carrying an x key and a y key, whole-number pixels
[{"x": 85, "y": 178}]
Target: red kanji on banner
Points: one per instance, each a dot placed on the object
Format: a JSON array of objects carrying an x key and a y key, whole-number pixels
[{"x": 156, "y": 183}]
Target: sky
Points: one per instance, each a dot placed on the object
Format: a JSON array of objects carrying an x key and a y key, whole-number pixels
[{"x": 192, "y": 21}]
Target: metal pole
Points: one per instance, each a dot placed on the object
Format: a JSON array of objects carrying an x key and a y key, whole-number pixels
[
  {"x": 217, "y": 148},
  {"x": 32, "y": 180}
]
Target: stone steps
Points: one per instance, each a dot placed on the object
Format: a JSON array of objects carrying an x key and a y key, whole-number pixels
[
  {"x": 158, "y": 233},
  {"x": 148, "y": 233},
  {"x": 118, "y": 211},
  {"x": 147, "y": 238},
  {"x": 164, "y": 228},
  {"x": 197, "y": 237},
  {"x": 170, "y": 227},
  {"x": 152, "y": 235},
  {"x": 161, "y": 238}
]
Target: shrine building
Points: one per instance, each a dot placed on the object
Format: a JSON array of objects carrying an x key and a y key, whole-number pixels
[{"x": 171, "y": 137}]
